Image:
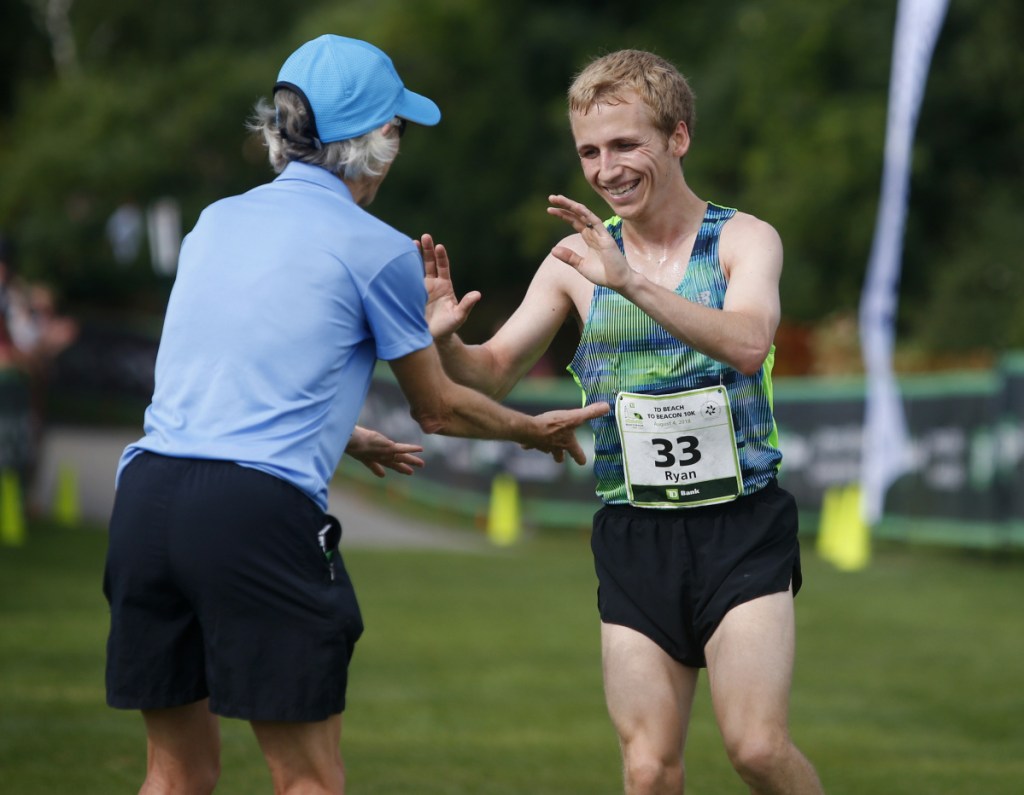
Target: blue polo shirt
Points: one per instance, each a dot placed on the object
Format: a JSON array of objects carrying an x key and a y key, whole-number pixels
[{"x": 285, "y": 298}]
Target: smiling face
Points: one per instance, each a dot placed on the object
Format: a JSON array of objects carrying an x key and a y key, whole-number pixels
[{"x": 626, "y": 159}]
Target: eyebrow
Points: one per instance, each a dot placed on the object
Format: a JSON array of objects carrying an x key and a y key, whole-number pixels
[{"x": 625, "y": 139}]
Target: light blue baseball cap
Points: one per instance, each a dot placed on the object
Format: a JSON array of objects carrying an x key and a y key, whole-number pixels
[{"x": 350, "y": 88}]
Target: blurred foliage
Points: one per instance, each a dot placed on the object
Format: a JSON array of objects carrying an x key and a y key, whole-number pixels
[{"x": 791, "y": 103}]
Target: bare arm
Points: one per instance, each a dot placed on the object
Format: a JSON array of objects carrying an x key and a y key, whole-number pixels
[
  {"x": 442, "y": 406},
  {"x": 495, "y": 366},
  {"x": 740, "y": 334}
]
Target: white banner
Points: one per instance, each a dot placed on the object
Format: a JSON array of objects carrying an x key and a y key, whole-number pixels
[{"x": 886, "y": 448}]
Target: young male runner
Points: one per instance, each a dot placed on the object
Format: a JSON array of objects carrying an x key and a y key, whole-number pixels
[{"x": 695, "y": 547}]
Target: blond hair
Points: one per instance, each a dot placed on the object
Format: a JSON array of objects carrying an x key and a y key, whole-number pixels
[{"x": 658, "y": 83}]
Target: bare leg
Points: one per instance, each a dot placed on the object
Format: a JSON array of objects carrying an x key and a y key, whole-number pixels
[
  {"x": 183, "y": 750},
  {"x": 750, "y": 668},
  {"x": 649, "y": 699},
  {"x": 304, "y": 758}
]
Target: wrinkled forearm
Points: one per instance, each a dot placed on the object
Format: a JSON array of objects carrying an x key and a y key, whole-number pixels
[{"x": 464, "y": 411}]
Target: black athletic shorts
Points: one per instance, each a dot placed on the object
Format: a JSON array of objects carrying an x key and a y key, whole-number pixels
[
  {"x": 225, "y": 582},
  {"x": 673, "y": 574}
]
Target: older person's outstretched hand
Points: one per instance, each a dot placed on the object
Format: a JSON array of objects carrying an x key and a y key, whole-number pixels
[
  {"x": 378, "y": 453},
  {"x": 445, "y": 311},
  {"x": 557, "y": 431}
]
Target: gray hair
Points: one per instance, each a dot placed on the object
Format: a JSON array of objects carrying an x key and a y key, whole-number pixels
[{"x": 354, "y": 159}]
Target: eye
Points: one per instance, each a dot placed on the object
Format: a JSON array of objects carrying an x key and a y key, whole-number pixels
[{"x": 587, "y": 153}]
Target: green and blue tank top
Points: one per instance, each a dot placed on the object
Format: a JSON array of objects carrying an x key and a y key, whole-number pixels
[{"x": 624, "y": 349}]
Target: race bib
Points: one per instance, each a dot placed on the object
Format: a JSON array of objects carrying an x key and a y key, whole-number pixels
[{"x": 679, "y": 450}]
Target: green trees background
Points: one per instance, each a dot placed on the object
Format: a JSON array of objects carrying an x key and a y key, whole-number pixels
[{"x": 103, "y": 101}]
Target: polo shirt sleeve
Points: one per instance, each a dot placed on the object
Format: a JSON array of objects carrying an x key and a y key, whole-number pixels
[{"x": 395, "y": 303}]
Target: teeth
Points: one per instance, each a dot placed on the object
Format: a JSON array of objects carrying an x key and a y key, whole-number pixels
[{"x": 619, "y": 192}]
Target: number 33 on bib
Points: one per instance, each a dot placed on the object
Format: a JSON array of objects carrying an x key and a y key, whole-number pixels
[{"x": 679, "y": 450}]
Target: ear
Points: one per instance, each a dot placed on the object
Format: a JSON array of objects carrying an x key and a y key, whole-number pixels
[{"x": 679, "y": 141}]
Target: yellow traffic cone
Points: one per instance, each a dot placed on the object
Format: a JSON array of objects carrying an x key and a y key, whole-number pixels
[
  {"x": 828, "y": 523},
  {"x": 503, "y": 519},
  {"x": 852, "y": 549},
  {"x": 12, "y": 513},
  {"x": 66, "y": 507}
]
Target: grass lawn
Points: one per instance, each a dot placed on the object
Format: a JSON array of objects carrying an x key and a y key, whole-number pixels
[{"x": 479, "y": 673}]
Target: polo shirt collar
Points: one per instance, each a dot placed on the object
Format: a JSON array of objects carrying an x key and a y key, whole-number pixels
[{"x": 317, "y": 175}]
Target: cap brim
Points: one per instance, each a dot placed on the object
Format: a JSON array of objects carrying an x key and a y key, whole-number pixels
[{"x": 417, "y": 108}]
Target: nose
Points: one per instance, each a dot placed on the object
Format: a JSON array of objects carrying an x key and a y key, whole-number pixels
[{"x": 608, "y": 164}]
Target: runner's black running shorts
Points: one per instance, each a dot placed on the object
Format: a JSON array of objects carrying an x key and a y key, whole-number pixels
[
  {"x": 225, "y": 582},
  {"x": 673, "y": 574}
]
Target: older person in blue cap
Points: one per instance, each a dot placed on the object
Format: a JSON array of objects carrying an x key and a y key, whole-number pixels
[{"x": 227, "y": 591}]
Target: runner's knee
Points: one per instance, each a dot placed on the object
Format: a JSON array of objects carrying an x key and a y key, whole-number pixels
[
  {"x": 757, "y": 754},
  {"x": 646, "y": 773}
]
